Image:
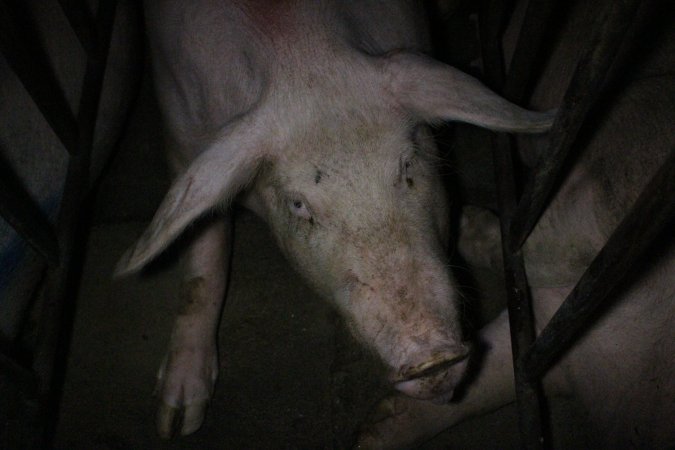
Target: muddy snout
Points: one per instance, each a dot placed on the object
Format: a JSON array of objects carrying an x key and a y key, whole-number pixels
[{"x": 434, "y": 378}]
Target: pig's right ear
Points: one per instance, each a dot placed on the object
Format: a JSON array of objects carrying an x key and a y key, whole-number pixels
[
  {"x": 213, "y": 179},
  {"x": 433, "y": 92}
]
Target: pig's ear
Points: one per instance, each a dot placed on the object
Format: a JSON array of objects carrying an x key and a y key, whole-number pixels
[
  {"x": 213, "y": 179},
  {"x": 437, "y": 92}
]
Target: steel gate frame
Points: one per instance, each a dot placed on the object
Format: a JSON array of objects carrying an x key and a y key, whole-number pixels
[
  {"x": 648, "y": 217},
  {"x": 38, "y": 382}
]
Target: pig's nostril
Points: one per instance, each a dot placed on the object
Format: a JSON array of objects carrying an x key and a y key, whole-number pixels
[
  {"x": 434, "y": 379},
  {"x": 431, "y": 368}
]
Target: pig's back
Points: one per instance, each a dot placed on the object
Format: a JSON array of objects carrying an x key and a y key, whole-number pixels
[{"x": 214, "y": 60}]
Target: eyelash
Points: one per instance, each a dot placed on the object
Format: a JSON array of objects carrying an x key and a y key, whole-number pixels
[{"x": 406, "y": 176}]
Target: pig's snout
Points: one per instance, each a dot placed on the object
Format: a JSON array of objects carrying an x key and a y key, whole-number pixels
[
  {"x": 435, "y": 378},
  {"x": 409, "y": 318}
]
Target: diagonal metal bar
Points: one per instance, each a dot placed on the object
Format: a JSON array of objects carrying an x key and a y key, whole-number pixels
[
  {"x": 59, "y": 299},
  {"x": 653, "y": 211},
  {"x": 77, "y": 181},
  {"x": 580, "y": 96},
  {"x": 19, "y": 414},
  {"x": 21, "y": 212},
  {"x": 528, "y": 48},
  {"x": 20, "y": 377},
  {"x": 30, "y": 63},
  {"x": 81, "y": 22}
]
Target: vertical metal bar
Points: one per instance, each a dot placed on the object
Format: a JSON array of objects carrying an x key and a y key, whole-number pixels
[
  {"x": 30, "y": 63},
  {"x": 653, "y": 211},
  {"x": 521, "y": 320},
  {"x": 580, "y": 96},
  {"x": 58, "y": 307},
  {"x": 491, "y": 24}
]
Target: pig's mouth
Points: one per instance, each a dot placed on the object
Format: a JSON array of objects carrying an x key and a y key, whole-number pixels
[{"x": 434, "y": 380}]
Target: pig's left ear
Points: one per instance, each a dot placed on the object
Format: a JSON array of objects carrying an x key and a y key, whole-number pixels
[
  {"x": 437, "y": 92},
  {"x": 213, "y": 179}
]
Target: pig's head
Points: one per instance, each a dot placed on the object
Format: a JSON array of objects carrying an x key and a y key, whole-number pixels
[{"x": 345, "y": 173}]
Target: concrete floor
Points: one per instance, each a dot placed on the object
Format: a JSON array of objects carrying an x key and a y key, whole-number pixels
[{"x": 290, "y": 375}]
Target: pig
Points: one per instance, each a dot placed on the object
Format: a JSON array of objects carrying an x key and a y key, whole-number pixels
[
  {"x": 620, "y": 371},
  {"x": 313, "y": 115}
]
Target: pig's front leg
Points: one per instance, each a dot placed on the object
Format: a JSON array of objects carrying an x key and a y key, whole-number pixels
[
  {"x": 402, "y": 422},
  {"x": 189, "y": 370}
]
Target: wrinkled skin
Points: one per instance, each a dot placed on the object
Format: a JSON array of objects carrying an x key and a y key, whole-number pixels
[
  {"x": 312, "y": 114},
  {"x": 621, "y": 369}
]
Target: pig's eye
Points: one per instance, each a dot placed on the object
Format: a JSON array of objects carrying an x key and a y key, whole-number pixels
[
  {"x": 407, "y": 170},
  {"x": 299, "y": 209}
]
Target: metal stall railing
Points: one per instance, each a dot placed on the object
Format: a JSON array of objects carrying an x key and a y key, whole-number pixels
[
  {"x": 38, "y": 382},
  {"x": 650, "y": 214}
]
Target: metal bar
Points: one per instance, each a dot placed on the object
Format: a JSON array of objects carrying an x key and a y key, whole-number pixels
[
  {"x": 20, "y": 413},
  {"x": 653, "y": 211},
  {"x": 20, "y": 47},
  {"x": 528, "y": 48},
  {"x": 77, "y": 180},
  {"x": 21, "y": 212},
  {"x": 580, "y": 96},
  {"x": 492, "y": 18},
  {"x": 59, "y": 301},
  {"x": 521, "y": 320},
  {"x": 81, "y": 22},
  {"x": 20, "y": 377}
]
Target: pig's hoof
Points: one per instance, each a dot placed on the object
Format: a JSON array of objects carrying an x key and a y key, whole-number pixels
[
  {"x": 400, "y": 422},
  {"x": 184, "y": 385},
  {"x": 180, "y": 421}
]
